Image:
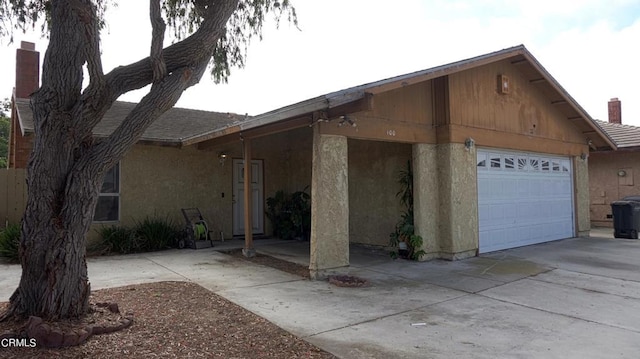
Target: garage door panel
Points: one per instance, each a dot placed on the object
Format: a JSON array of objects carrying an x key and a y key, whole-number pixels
[{"x": 523, "y": 199}]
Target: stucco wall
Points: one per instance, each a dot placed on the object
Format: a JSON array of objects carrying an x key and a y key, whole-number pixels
[
  {"x": 161, "y": 180},
  {"x": 426, "y": 197},
  {"x": 374, "y": 208},
  {"x": 330, "y": 206},
  {"x": 581, "y": 173},
  {"x": 605, "y": 184},
  {"x": 458, "y": 201}
]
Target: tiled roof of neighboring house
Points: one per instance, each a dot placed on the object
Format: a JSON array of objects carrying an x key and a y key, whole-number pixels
[
  {"x": 625, "y": 136},
  {"x": 175, "y": 127}
]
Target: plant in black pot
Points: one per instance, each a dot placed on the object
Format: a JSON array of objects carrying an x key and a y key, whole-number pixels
[
  {"x": 405, "y": 243},
  {"x": 290, "y": 214}
]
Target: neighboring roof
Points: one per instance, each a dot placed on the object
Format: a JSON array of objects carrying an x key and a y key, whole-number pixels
[
  {"x": 175, "y": 127},
  {"x": 625, "y": 136}
]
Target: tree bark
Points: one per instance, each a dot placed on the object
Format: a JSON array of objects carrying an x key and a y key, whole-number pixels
[{"x": 67, "y": 165}]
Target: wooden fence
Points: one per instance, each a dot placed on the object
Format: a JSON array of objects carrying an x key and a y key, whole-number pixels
[{"x": 13, "y": 195}]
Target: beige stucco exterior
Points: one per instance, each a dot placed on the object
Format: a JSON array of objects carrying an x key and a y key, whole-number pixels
[
  {"x": 374, "y": 208},
  {"x": 426, "y": 200},
  {"x": 352, "y": 171},
  {"x": 330, "y": 205},
  {"x": 458, "y": 217},
  {"x": 581, "y": 181},
  {"x": 607, "y": 186}
]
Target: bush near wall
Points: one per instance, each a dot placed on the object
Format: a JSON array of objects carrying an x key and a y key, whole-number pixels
[
  {"x": 9, "y": 242},
  {"x": 148, "y": 235}
]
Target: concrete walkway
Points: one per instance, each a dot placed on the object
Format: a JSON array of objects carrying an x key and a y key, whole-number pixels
[{"x": 576, "y": 298}]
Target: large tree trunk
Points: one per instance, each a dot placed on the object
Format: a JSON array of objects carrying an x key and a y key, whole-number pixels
[
  {"x": 62, "y": 181},
  {"x": 67, "y": 165}
]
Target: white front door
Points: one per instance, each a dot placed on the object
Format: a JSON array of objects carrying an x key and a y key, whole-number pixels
[
  {"x": 238, "y": 197},
  {"x": 523, "y": 199}
]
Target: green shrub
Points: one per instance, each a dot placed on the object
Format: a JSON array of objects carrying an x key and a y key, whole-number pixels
[
  {"x": 405, "y": 230},
  {"x": 117, "y": 239},
  {"x": 9, "y": 242},
  {"x": 150, "y": 234},
  {"x": 154, "y": 234},
  {"x": 290, "y": 214}
]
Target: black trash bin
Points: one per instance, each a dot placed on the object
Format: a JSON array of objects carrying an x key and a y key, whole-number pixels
[{"x": 626, "y": 217}]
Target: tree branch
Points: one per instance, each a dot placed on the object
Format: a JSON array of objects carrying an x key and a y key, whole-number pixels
[
  {"x": 187, "y": 52},
  {"x": 162, "y": 97},
  {"x": 157, "y": 39},
  {"x": 86, "y": 107}
]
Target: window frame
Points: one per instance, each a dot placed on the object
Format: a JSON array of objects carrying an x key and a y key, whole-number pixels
[{"x": 112, "y": 194}]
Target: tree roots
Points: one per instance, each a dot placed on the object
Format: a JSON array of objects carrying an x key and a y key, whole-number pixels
[{"x": 64, "y": 334}]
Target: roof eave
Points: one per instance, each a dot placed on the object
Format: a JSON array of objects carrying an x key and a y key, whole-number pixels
[
  {"x": 570, "y": 100},
  {"x": 23, "y": 130}
]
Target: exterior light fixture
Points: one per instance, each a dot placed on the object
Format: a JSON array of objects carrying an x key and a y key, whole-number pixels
[
  {"x": 222, "y": 157},
  {"x": 622, "y": 173},
  {"x": 469, "y": 143},
  {"x": 346, "y": 120}
]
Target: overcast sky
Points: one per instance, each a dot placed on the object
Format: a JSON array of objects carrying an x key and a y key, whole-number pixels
[{"x": 591, "y": 47}]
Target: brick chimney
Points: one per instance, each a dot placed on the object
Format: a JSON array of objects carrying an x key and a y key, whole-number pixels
[
  {"x": 615, "y": 110},
  {"x": 27, "y": 69},
  {"x": 27, "y": 81}
]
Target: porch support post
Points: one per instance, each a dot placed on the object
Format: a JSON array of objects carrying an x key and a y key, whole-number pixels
[
  {"x": 458, "y": 201},
  {"x": 248, "y": 249},
  {"x": 581, "y": 185},
  {"x": 426, "y": 206},
  {"x": 329, "y": 204}
]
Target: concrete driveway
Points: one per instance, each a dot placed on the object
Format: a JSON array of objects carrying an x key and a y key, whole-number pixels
[{"x": 576, "y": 298}]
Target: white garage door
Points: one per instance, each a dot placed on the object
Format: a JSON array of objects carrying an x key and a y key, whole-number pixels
[{"x": 523, "y": 199}]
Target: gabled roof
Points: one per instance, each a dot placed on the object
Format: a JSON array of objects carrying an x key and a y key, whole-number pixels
[
  {"x": 176, "y": 127},
  {"x": 519, "y": 56},
  {"x": 186, "y": 127},
  {"x": 625, "y": 136}
]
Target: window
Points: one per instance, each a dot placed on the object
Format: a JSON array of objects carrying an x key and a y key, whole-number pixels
[
  {"x": 509, "y": 163},
  {"x": 496, "y": 161},
  {"x": 545, "y": 165},
  {"x": 482, "y": 160},
  {"x": 108, "y": 207}
]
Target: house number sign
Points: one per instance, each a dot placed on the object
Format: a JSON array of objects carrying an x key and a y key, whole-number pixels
[{"x": 391, "y": 133}]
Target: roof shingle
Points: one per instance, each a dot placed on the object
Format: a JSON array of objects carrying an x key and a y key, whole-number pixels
[
  {"x": 625, "y": 136},
  {"x": 174, "y": 127}
]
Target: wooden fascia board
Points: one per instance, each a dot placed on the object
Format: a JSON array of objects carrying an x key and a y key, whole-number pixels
[
  {"x": 569, "y": 100},
  {"x": 211, "y": 135},
  {"x": 442, "y": 71},
  {"x": 291, "y": 124},
  {"x": 363, "y": 103},
  {"x": 238, "y": 135},
  {"x": 289, "y": 118},
  {"x": 296, "y": 110},
  {"x": 373, "y": 128},
  {"x": 494, "y": 139}
]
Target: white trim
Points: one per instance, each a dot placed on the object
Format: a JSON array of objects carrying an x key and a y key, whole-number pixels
[
  {"x": 118, "y": 194},
  {"x": 507, "y": 221}
]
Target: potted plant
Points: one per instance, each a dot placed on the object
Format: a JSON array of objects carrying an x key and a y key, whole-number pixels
[
  {"x": 405, "y": 243},
  {"x": 290, "y": 214}
]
